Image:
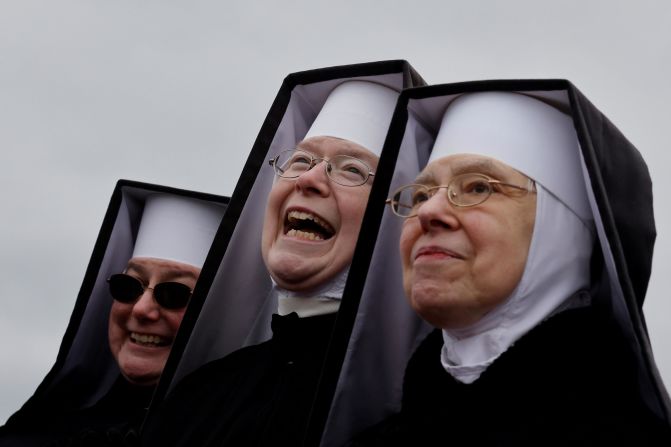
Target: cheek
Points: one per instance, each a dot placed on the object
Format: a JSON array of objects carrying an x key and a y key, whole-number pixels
[
  {"x": 271, "y": 217},
  {"x": 174, "y": 320},
  {"x": 118, "y": 317},
  {"x": 277, "y": 196},
  {"x": 409, "y": 234},
  {"x": 351, "y": 208},
  {"x": 501, "y": 247}
]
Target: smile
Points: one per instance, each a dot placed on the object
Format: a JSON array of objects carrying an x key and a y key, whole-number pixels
[
  {"x": 306, "y": 225},
  {"x": 148, "y": 340}
]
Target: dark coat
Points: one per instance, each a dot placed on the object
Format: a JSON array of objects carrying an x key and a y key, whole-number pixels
[
  {"x": 567, "y": 382},
  {"x": 260, "y": 395},
  {"x": 113, "y": 421}
]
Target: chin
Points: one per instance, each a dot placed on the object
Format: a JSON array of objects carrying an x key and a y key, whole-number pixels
[
  {"x": 141, "y": 379},
  {"x": 289, "y": 268},
  {"x": 293, "y": 282}
]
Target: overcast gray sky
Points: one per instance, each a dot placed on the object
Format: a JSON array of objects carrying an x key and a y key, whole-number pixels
[{"x": 174, "y": 93}]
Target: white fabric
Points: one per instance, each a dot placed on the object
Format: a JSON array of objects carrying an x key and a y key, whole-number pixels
[
  {"x": 553, "y": 273},
  {"x": 307, "y": 307},
  {"x": 321, "y": 301},
  {"x": 177, "y": 228},
  {"x": 535, "y": 138},
  {"x": 358, "y": 111}
]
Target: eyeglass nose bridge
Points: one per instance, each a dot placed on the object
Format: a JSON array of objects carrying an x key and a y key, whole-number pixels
[
  {"x": 315, "y": 161},
  {"x": 144, "y": 290},
  {"x": 450, "y": 197},
  {"x": 435, "y": 191}
]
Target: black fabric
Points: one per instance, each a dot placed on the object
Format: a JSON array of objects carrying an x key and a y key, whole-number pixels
[
  {"x": 81, "y": 391},
  {"x": 627, "y": 205},
  {"x": 113, "y": 421},
  {"x": 221, "y": 319},
  {"x": 567, "y": 382},
  {"x": 257, "y": 396}
]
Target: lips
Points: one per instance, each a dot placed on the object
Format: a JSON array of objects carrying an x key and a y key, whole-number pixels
[
  {"x": 150, "y": 340},
  {"x": 306, "y": 225},
  {"x": 436, "y": 252}
]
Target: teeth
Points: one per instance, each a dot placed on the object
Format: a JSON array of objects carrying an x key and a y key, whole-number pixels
[
  {"x": 304, "y": 235},
  {"x": 300, "y": 215},
  {"x": 147, "y": 339}
]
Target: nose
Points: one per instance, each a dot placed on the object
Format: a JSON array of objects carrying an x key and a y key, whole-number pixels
[
  {"x": 314, "y": 180},
  {"x": 438, "y": 213},
  {"x": 146, "y": 307}
]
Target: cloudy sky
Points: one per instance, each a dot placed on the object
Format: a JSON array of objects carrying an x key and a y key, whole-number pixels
[{"x": 174, "y": 92}]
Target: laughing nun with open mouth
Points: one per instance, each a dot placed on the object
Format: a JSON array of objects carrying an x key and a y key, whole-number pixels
[
  {"x": 317, "y": 202},
  {"x": 263, "y": 394}
]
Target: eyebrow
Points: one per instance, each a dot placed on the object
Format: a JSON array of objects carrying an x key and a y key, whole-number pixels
[
  {"x": 480, "y": 166},
  {"x": 352, "y": 151},
  {"x": 425, "y": 178}
]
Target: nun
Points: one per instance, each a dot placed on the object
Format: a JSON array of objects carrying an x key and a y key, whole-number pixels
[
  {"x": 263, "y": 394},
  {"x": 144, "y": 268},
  {"x": 522, "y": 250}
]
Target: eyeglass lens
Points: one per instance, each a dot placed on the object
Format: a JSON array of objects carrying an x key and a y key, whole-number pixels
[
  {"x": 342, "y": 169},
  {"x": 127, "y": 289},
  {"x": 466, "y": 190}
]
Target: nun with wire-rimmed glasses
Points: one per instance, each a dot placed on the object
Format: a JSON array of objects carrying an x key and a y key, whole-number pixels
[
  {"x": 293, "y": 244},
  {"x": 521, "y": 245}
]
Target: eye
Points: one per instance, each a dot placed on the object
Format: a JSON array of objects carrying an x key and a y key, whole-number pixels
[
  {"x": 419, "y": 196},
  {"x": 475, "y": 186},
  {"x": 299, "y": 159},
  {"x": 349, "y": 169},
  {"x": 353, "y": 169},
  {"x": 292, "y": 164}
]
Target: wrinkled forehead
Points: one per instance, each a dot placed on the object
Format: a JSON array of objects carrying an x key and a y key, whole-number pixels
[
  {"x": 443, "y": 169},
  {"x": 324, "y": 146}
]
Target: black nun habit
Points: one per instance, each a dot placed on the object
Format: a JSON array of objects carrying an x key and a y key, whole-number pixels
[
  {"x": 585, "y": 374},
  {"x": 84, "y": 400},
  {"x": 215, "y": 393}
]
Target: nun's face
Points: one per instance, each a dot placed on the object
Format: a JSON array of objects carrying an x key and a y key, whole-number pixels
[
  {"x": 141, "y": 333},
  {"x": 313, "y": 205},
  {"x": 459, "y": 263}
]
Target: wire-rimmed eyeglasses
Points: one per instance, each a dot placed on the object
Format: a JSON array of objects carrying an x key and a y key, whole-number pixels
[
  {"x": 341, "y": 169},
  {"x": 463, "y": 191}
]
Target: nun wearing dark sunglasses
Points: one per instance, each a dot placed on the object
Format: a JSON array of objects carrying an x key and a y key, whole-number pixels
[
  {"x": 142, "y": 306},
  {"x": 150, "y": 297}
]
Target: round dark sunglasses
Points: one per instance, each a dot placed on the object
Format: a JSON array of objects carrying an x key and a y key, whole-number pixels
[{"x": 127, "y": 289}]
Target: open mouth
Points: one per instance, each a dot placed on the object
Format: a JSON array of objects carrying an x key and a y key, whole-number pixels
[
  {"x": 148, "y": 340},
  {"x": 308, "y": 226}
]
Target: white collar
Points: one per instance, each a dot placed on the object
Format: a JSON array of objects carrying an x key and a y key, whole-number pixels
[{"x": 320, "y": 301}]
